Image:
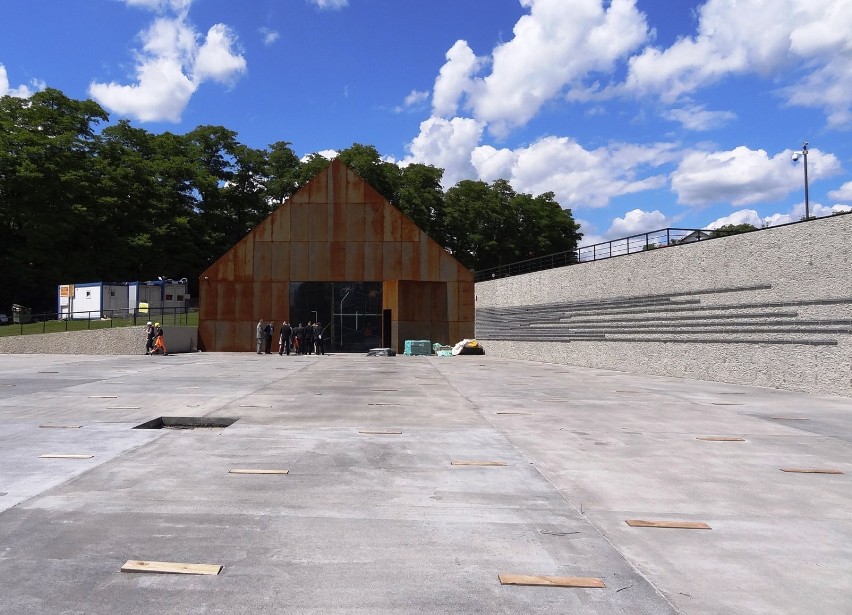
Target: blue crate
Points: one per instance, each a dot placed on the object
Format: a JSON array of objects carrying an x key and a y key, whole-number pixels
[{"x": 417, "y": 348}]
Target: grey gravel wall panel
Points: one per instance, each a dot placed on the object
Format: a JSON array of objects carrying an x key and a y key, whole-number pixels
[{"x": 770, "y": 308}]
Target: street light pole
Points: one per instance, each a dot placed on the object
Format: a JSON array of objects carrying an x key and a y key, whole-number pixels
[
  {"x": 807, "y": 200},
  {"x": 804, "y": 154}
]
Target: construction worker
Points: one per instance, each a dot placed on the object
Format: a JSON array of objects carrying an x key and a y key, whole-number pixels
[
  {"x": 159, "y": 342},
  {"x": 150, "y": 334}
]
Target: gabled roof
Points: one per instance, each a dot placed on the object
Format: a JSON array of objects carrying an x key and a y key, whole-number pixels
[{"x": 337, "y": 227}]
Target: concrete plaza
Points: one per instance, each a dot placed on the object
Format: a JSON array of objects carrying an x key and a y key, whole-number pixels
[{"x": 373, "y": 517}]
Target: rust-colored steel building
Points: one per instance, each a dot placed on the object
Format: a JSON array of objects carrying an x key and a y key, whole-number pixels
[{"x": 337, "y": 252}]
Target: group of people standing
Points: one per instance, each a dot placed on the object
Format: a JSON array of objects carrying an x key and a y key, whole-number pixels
[
  {"x": 300, "y": 339},
  {"x": 154, "y": 341}
]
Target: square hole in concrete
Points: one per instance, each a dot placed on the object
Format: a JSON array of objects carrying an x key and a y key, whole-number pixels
[{"x": 188, "y": 422}]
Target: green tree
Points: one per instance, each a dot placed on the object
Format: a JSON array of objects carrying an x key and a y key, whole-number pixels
[
  {"x": 149, "y": 200},
  {"x": 368, "y": 164},
  {"x": 229, "y": 179},
  {"x": 127, "y": 188},
  {"x": 421, "y": 198},
  {"x": 470, "y": 223},
  {"x": 550, "y": 227},
  {"x": 492, "y": 225},
  {"x": 47, "y": 192},
  {"x": 310, "y": 167},
  {"x": 283, "y": 167},
  {"x": 125, "y": 204},
  {"x": 732, "y": 229}
]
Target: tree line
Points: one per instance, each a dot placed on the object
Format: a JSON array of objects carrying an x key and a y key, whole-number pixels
[{"x": 83, "y": 200}]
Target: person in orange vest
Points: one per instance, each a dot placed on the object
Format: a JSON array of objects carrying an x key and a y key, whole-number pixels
[{"x": 159, "y": 342}]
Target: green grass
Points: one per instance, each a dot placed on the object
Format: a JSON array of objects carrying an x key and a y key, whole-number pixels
[{"x": 57, "y": 326}]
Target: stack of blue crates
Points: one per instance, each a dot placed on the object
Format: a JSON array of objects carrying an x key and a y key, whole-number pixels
[{"x": 417, "y": 348}]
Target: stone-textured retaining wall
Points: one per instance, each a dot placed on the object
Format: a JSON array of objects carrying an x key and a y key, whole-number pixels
[
  {"x": 117, "y": 341},
  {"x": 770, "y": 308}
]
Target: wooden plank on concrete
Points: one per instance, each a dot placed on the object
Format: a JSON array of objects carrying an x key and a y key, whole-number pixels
[
  {"x": 170, "y": 567},
  {"x": 812, "y": 470},
  {"x": 720, "y": 439},
  {"x": 478, "y": 463},
  {"x": 64, "y": 456},
  {"x": 677, "y": 525},
  {"x": 550, "y": 581},
  {"x": 381, "y": 433},
  {"x": 251, "y": 471}
]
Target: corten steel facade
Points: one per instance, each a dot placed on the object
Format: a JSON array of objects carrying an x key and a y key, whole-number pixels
[{"x": 336, "y": 229}]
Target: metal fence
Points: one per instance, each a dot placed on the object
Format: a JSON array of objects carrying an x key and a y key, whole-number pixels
[
  {"x": 53, "y": 322},
  {"x": 642, "y": 242}
]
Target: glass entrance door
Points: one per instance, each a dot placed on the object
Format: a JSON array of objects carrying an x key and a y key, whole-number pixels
[{"x": 357, "y": 318}]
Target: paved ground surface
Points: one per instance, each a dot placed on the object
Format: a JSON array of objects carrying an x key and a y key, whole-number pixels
[{"x": 383, "y": 523}]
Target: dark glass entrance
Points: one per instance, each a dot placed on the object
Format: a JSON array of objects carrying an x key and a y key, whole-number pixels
[{"x": 349, "y": 312}]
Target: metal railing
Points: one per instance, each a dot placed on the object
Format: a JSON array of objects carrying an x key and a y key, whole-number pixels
[
  {"x": 53, "y": 322},
  {"x": 642, "y": 242}
]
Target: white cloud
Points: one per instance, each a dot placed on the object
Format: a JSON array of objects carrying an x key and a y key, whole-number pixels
[
  {"x": 844, "y": 193},
  {"x": 446, "y": 144},
  {"x": 416, "y": 97},
  {"x": 162, "y": 92},
  {"x": 555, "y": 53},
  {"x": 743, "y": 176},
  {"x": 414, "y": 101},
  {"x": 637, "y": 221},
  {"x": 329, "y": 4},
  {"x": 161, "y": 6},
  {"x": 777, "y": 219},
  {"x": 491, "y": 163},
  {"x": 553, "y": 48},
  {"x": 328, "y": 154},
  {"x": 821, "y": 211},
  {"x": 744, "y": 216},
  {"x": 454, "y": 79},
  {"x": 173, "y": 63},
  {"x": 269, "y": 36},
  {"x": 796, "y": 213},
  {"x": 698, "y": 118},
  {"x": 744, "y": 37},
  {"x": 577, "y": 176},
  {"x": 815, "y": 210},
  {"x": 21, "y": 91},
  {"x": 216, "y": 60},
  {"x": 827, "y": 88}
]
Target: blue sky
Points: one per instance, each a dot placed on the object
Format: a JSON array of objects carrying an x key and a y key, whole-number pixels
[{"x": 637, "y": 114}]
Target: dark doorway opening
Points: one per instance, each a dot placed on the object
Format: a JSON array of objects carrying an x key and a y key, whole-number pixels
[
  {"x": 350, "y": 313},
  {"x": 387, "y": 335}
]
